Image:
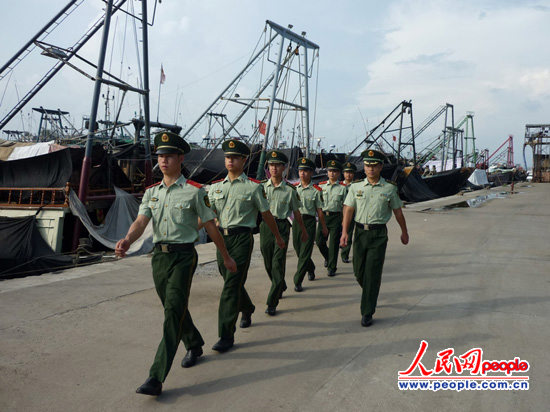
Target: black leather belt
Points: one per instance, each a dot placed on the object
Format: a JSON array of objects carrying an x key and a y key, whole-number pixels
[
  {"x": 370, "y": 227},
  {"x": 235, "y": 230},
  {"x": 174, "y": 247},
  {"x": 333, "y": 213},
  {"x": 281, "y": 220},
  {"x": 307, "y": 217}
]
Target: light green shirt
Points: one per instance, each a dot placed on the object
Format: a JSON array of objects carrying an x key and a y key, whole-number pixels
[
  {"x": 283, "y": 199},
  {"x": 237, "y": 203},
  {"x": 373, "y": 203},
  {"x": 333, "y": 196},
  {"x": 311, "y": 198},
  {"x": 175, "y": 210}
]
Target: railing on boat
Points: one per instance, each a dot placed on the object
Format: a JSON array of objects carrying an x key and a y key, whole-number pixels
[
  {"x": 52, "y": 196},
  {"x": 34, "y": 196}
]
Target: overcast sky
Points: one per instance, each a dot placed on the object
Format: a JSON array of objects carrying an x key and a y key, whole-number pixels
[{"x": 487, "y": 57}]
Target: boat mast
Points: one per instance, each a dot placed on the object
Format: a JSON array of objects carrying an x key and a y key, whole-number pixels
[
  {"x": 260, "y": 172},
  {"x": 146, "y": 111},
  {"x": 87, "y": 162}
]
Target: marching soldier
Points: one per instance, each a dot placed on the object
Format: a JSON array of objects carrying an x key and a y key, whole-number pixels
[
  {"x": 175, "y": 205},
  {"x": 237, "y": 199},
  {"x": 283, "y": 200},
  {"x": 373, "y": 201},
  {"x": 311, "y": 203},
  {"x": 349, "y": 173},
  {"x": 334, "y": 193}
]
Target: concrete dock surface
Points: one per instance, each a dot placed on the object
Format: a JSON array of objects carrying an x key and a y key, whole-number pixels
[{"x": 83, "y": 339}]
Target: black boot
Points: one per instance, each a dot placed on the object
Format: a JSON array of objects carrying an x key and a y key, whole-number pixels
[
  {"x": 190, "y": 358},
  {"x": 223, "y": 345},
  {"x": 151, "y": 387}
]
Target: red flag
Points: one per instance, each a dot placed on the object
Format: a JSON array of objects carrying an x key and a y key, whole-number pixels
[
  {"x": 162, "y": 75},
  {"x": 262, "y": 127}
]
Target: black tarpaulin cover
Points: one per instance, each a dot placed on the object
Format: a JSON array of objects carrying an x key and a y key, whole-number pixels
[
  {"x": 48, "y": 170},
  {"x": 55, "y": 169},
  {"x": 23, "y": 251}
]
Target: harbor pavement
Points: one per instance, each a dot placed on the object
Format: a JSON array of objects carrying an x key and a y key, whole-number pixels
[{"x": 83, "y": 339}]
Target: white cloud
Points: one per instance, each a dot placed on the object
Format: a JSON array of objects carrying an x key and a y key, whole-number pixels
[{"x": 488, "y": 60}]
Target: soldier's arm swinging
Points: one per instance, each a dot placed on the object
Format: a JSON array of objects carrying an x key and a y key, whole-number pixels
[
  {"x": 270, "y": 222},
  {"x": 217, "y": 238},
  {"x": 136, "y": 230},
  {"x": 348, "y": 214},
  {"x": 324, "y": 227},
  {"x": 298, "y": 217},
  {"x": 398, "y": 213}
]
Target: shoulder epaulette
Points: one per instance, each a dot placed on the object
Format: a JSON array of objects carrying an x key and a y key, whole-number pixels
[
  {"x": 343, "y": 184},
  {"x": 391, "y": 182},
  {"x": 254, "y": 180},
  {"x": 296, "y": 184},
  {"x": 357, "y": 180},
  {"x": 261, "y": 181},
  {"x": 153, "y": 185},
  {"x": 217, "y": 181},
  {"x": 317, "y": 187},
  {"x": 193, "y": 183},
  {"x": 322, "y": 183},
  {"x": 290, "y": 185}
]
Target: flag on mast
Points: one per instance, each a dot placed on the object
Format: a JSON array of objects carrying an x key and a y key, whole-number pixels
[
  {"x": 262, "y": 127},
  {"x": 162, "y": 75}
]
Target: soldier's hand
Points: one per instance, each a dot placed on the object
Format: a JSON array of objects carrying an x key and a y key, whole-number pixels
[
  {"x": 230, "y": 264},
  {"x": 325, "y": 232},
  {"x": 281, "y": 243},
  {"x": 304, "y": 236},
  {"x": 122, "y": 247},
  {"x": 404, "y": 238},
  {"x": 344, "y": 240}
]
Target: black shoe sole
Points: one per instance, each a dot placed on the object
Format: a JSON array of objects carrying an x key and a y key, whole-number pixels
[
  {"x": 222, "y": 350},
  {"x": 150, "y": 393},
  {"x": 191, "y": 363}
]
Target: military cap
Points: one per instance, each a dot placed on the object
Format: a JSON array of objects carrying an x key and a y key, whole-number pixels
[
  {"x": 305, "y": 163},
  {"x": 275, "y": 156},
  {"x": 235, "y": 147},
  {"x": 349, "y": 167},
  {"x": 372, "y": 157},
  {"x": 169, "y": 142},
  {"x": 334, "y": 164}
]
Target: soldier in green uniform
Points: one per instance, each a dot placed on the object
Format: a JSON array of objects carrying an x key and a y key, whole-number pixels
[
  {"x": 311, "y": 203},
  {"x": 283, "y": 200},
  {"x": 334, "y": 193},
  {"x": 373, "y": 201},
  {"x": 237, "y": 199},
  {"x": 177, "y": 206},
  {"x": 349, "y": 173}
]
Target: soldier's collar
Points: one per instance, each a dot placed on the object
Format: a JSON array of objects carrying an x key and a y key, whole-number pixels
[
  {"x": 380, "y": 182},
  {"x": 270, "y": 183},
  {"x": 241, "y": 177},
  {"x": 180, "y": 181}
]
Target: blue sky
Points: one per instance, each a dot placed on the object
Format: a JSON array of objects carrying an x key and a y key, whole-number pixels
[{"x": 488, "y": 57}]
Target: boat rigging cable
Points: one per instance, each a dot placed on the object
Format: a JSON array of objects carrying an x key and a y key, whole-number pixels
[{"x": 72, "y": 51}]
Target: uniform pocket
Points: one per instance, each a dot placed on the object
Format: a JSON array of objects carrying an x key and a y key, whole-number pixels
[
  {"x": 155, "y": 207},
  {"x": 218, "y": 200},
  {"x": 181, "y": 211},
  {"x": 243, "y": 203}
]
